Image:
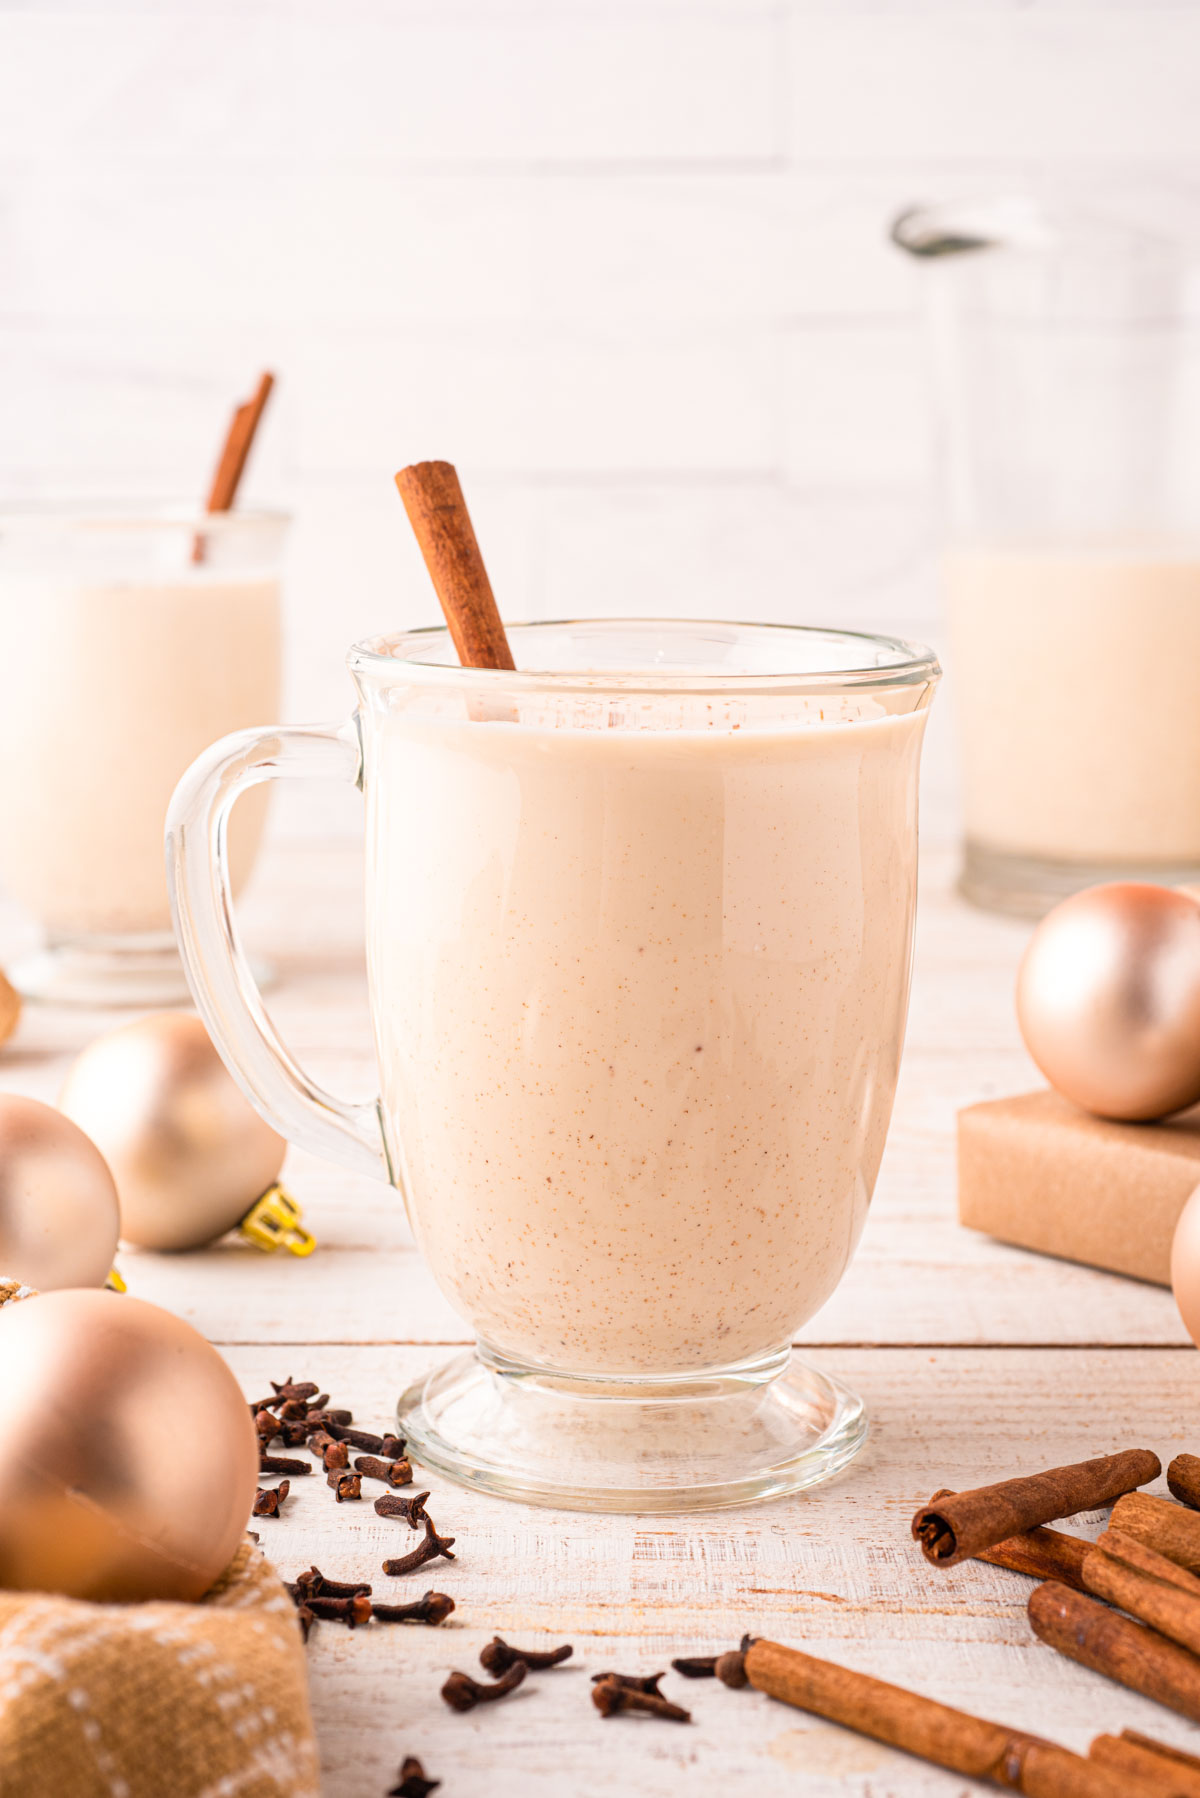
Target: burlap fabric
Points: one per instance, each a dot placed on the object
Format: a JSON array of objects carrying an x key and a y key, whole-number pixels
[{"x": 204, "y": 1700}]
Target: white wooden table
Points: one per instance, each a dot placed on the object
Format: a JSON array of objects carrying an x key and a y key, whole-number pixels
[{"x": 976, "y": 1360}]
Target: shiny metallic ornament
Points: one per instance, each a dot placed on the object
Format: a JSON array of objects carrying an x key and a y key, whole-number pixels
[
  {"x": 190, "y": 1156},
  {"x": 1108, "y": 999},
  {"x": 129, "y": 1463},
  {"x": 59, "y": 1216},
  {"x": 1185, "y": 1266}
]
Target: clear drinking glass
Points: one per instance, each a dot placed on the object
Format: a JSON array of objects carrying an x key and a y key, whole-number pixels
[
  {"x": 639, "y": 926},
  {"x": 130, "y": 639},
  {"x": 1067, "y": 363}
]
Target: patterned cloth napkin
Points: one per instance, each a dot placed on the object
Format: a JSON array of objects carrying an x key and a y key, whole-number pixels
[{"x": 205, "y": 1700}]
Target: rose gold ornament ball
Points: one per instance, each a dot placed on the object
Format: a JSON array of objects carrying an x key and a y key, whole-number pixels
[
  {"x": 1108, "y": 999},
  {"x": 190, "y": 1155},
  {"x": 1185, "y": 1266},
  {"x": 58, "y": 1205},
  {"x": 129, "y": 1462}
]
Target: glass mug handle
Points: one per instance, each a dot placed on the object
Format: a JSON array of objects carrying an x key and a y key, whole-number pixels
[{"x": 223, "y": 986}]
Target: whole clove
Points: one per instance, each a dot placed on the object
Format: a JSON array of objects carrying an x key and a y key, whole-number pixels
[
  {"x": 391, "y": 1504},
  {"x": 731, "y": 1668},
  {"x": 633, "y": 1682},
  {"x": 306, "y": 1620},
  {"x": 318, "y": 1442},
  {"x": 295, "y": 1435},
  {"x": 394, "y": 1473},
  {"x": 293, "y": 1410},
  {"x": 413, "y": 1783},
  {"x": 611, "y": 1697},
  {"x": 337, "y": 1455},
  {"x": 282, "y": 1464},
  {"x": 315, "y": 1584},
  {"x": 346, "y": 1486},
  {"x": 269, "y": 1498},
  {"x": 363, "y": 1439},
  {"x": 393, "y": 1447},
  {"x": 268, "y": 1427},
  {"x": 263, "y": 1404},
  {"x": 704, "y": 1666},
  {"x": 499, "y": 1656},
  {"x": 350, "y": 1611},
  {"x": 322, "y": 1418},
  {"x": 428, "y": 1550},
  {"x": 289, "y": 1388},
  {"x": 462, "y": 1693},
  {"x": 433, "y": 1609}
]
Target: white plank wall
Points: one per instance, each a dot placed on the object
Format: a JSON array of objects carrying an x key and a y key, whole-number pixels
[{"x": 625, "y": 263}]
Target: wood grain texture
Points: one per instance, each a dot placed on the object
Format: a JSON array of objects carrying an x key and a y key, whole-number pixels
[{"x": 975, "y": 1361}]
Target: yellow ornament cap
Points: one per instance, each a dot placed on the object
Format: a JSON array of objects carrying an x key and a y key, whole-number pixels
[
  {"x": 273, "y": 1222},
  {"x": 114, "y": 1282}
]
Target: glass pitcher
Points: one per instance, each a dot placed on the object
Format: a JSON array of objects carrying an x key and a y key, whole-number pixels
[{"x": 1066, "y": 362}]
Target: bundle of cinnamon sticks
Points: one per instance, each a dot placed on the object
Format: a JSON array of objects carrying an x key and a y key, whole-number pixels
[{"x": 1127, "y": 1605}]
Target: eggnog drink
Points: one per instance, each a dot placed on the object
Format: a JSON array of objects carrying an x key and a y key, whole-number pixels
[
  {"x": 639, "y": 1000},
  {"x": 113, "y": 690},
  {"x": 1077, "y": 699}
]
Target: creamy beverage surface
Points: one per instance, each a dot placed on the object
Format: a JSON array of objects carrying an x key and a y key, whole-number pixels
[
  {"x": 1079, "y": 716},
  {"x": 113, "y": 690},
  {"x": 640, "y": 999}
]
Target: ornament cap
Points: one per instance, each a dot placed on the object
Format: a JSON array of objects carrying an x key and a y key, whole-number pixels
[
  {"x": 114, "y": 1282},
  {"x": 274, "y": 1222}
]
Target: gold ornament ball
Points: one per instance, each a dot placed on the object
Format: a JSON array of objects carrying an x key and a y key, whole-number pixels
[
  {"x": 189, "y": 1154},
  {"x": 59, "y": 1216},
  {"x": 1108, "y": 999},
  {"x": 129, "y": 1461},
  {"x": 1185, "y": 1266}
]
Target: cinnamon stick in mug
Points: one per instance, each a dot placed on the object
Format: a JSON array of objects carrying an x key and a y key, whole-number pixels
[
  {"x": 1143, "y": 1758},
  {"x": 1183, "y": 1477},
  {"x": 970, "y": 1745},
  {"x": 1089, "y": 1632},
  {"x": 1162, "y": 1526},
  {"x": 960, "y": 1527}
]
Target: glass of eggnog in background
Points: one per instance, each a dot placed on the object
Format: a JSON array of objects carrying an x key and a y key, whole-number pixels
[
  {"x": 1067, "y": 363},
  {"x": 128, "y": 640},
  {"x": 639, "y": 928}
]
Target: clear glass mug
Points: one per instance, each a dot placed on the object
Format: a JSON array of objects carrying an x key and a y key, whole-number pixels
[
  {"x": 131, "y": 640},
  {"x": 639, "y": 928},
  {"x": 1067, "y": 376}
]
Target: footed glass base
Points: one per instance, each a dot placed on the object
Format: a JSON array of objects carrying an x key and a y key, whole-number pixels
[
  {"x": 113, "y": 971},
  {"x": 691, "y": 1443},
  {"x": 1027, "y": 886}
]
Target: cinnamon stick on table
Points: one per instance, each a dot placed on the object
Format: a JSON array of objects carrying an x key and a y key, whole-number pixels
[
  {"x": 1144, "y": 1758},
  {"x": 960, "y": 1527},
  {"x": 1040, "y": 1553},
  {"x": 442, "y": 526},
  {"x": 1183, "y": 1477},
  {"x": 1167, "y": 1528},
  {"x": 1147, "y": 1585},
  {"x": 935, "y": 1732},
  {"x": 1097, "y": 1637}
]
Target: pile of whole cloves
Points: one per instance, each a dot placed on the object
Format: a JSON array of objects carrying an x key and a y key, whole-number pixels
[{"x": 299, "y": 1414}]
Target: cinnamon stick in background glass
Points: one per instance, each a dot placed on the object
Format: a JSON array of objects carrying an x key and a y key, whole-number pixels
[
  {"x": 1089, "y": 1632},
  {"x": 960, "y": 1527},
  {"x": 970, "y": 1745},
  {"x": 1162, "y": 1526},
  {"x": 1143, "y": 1758},
  {"x": 1183, "y": 1477},
  {"x": 231, "y": 463}
]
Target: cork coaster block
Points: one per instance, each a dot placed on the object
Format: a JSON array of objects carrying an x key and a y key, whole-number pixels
[{"x": 1036, "y": 1171}]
